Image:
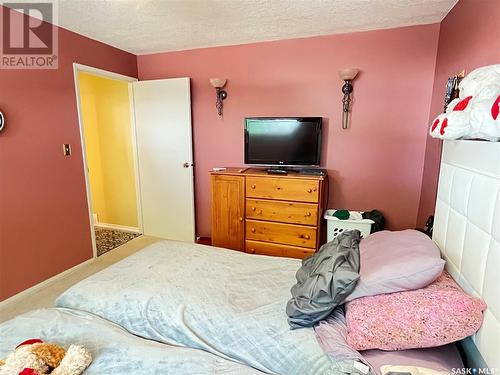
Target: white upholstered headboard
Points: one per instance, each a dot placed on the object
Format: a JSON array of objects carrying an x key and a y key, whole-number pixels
[{"x": 467, "y": 229}]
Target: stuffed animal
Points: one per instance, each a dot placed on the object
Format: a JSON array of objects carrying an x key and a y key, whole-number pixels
[
  {"x": 475, "y": 113},
  {"x": 34, "y": 357}
]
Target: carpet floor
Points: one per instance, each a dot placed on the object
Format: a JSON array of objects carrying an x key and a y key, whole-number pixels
[{"x": 108, "y": 239}]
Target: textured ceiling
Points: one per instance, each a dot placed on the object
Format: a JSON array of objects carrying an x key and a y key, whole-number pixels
[{"x": 146, "y": 26}]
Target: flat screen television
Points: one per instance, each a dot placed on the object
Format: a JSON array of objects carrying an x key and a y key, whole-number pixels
[{"x": 283, "y": 141}]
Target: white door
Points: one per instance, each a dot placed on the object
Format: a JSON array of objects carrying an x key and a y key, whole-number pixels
[{"x": 164, "y": 149}]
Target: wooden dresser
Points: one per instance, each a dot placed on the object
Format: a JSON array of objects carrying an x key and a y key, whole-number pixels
[{"x": 266, "y": 214}]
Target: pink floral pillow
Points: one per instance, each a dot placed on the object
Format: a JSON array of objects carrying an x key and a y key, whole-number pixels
[{"x": 436, "y": 315}]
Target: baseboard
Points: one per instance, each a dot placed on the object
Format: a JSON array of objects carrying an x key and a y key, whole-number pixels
[
  {"x": 118, "y": 227},
  {"x": 35, "y": 288}
]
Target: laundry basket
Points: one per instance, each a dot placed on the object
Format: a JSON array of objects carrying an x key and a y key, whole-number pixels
[{"x": 336, "y": 226}]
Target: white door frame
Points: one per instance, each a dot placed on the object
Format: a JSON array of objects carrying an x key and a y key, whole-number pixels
[{"x": 78, "y": 68}]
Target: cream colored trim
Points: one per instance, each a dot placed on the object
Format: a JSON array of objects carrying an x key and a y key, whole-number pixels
[
  {"x": 103, "y": 73},
  {"x": 135, "y": 156},
  {"x": 84, "y": 157},
  {"x": 35, "y": 288},
  {"x": 77, "y": 68}
]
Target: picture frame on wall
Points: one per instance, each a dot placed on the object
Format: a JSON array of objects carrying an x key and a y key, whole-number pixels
[{"x": 452, "y": 89}]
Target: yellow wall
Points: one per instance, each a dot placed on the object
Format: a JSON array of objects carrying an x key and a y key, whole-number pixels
[{"x": 108, "y": 142}]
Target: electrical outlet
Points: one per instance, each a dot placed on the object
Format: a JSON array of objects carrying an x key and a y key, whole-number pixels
[{"x": 66, "y": 149}]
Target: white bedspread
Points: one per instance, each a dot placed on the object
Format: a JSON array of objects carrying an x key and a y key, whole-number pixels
[
  {"x": 114, "y": 351},
  {"x": 225, "y": 302}
]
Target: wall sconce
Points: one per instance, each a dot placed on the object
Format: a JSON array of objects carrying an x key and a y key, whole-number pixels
[
  {"x": 347, "y": 75},
  {"x": 2, "y": 121},
  {"x": 219, "y": 84}
]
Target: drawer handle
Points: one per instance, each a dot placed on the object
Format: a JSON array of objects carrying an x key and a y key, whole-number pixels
[
  {"x": 309, "y": 190},
  {"x": 252, "y": 230},
  {"x": 278, "y": 188},
  {"x": 253, "y": 186},
  {"x": 252, "y": 251},
  {"x": 306, "y": 236},
  {"x": 253, "y": 208},
  {"x": 241, "y": 219},
  {"x": 308, "y": 214}
]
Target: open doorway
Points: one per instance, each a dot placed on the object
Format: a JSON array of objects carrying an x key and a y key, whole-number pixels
[
  {"x": 142, "y": 166},
  {"x": 108, "y": 140}
]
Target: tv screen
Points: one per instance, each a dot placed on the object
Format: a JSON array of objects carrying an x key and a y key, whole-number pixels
[{"x": 283, "y": 140}]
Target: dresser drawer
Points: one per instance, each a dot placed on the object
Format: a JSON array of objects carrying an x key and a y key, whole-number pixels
[
  {"x": 284, "y": 212},
  {"x": 277, "y": 250},
  {"x": 282, "y": 188},
  {"x": 288, "y": 234}
]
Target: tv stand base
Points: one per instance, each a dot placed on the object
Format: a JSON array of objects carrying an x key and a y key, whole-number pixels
[{"x": 279, "y": 171}]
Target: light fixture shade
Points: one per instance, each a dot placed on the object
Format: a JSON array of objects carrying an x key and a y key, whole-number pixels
[
  {"x": 348, "y": 74},
  {"x": 218, "y": 83}
]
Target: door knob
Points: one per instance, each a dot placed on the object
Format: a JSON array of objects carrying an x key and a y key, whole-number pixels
[
  {"x": 187, "y": 165},
  {"x": 241, "y": 219}
]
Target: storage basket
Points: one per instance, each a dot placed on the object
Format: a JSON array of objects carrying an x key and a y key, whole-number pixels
[{"x": 336, "y": 226}]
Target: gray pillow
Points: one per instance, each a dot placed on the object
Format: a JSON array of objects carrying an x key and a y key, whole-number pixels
[
  {"x": 324, "y": 280},
  {"x": 395, "y": 262}
]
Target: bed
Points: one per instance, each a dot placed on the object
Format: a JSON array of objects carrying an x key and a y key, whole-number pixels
[
  {"x": 467, "y": 230},
  {"x": 115, "y": 351},
  {"x": 225, "y": 302},
  {"x": 231, "y": 305}
]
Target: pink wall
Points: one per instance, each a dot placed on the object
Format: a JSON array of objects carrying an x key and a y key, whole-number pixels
[
  {"x": 44, "y": 226},
  {"x": 376, "y": 164},
  {"x": 469, "y": 38}
]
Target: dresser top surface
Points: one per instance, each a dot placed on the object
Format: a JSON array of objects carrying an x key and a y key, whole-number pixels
[{"x": 255, "y": 172}]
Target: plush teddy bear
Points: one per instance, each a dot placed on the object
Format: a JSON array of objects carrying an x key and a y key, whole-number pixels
[
  {"x": 475, "y": 113},
  {"x": 34, "y": 357}
]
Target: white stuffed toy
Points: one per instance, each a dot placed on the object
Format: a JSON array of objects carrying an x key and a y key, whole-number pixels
[
  {"x": 475, "y": 113},
  {"x": 34, "y": 357}
]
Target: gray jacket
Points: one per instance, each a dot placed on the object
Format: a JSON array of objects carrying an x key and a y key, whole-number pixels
[{"x": 324, "y": 280}]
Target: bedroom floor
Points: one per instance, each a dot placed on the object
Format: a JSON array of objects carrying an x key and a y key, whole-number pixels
[
  {"x": 109, "y": 239},
  {"x": 46, "y": 296}
]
